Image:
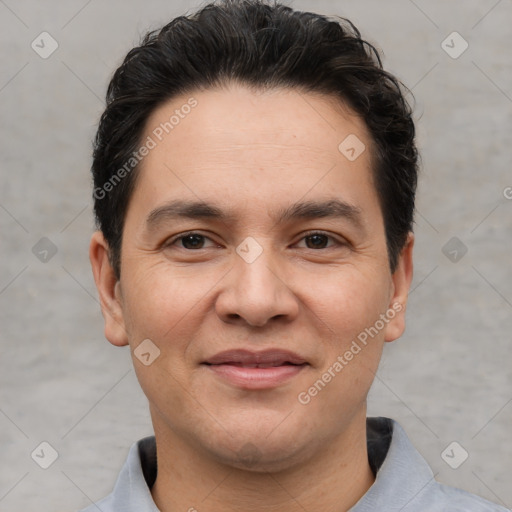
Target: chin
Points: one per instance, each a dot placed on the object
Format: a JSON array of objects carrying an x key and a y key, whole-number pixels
[
  {"x": 256, "y": 451},
  {"x": 255, "y": 458}
]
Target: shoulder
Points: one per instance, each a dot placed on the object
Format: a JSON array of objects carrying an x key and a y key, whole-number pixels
[
  {"x": 105, "y": 505},
  {"x": 97, "y": 506},
  {"x": 437, "y": 496},
  {"x": 405, "y": 482},
  {"x": 131, "y": 491}
]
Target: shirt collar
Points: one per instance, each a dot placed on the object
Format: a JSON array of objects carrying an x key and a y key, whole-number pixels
[{"x": 401, "y": 472}]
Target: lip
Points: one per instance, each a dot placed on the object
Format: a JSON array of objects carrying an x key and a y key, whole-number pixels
[
  {"x": 272, "y": 357},
  {"x": 256, "y": 370}
]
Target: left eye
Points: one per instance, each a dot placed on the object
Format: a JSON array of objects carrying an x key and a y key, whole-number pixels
[{"x": 317, "y": 240}]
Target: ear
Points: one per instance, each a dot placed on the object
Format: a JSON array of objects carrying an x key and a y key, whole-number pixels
[
  {"x": 108, "y": 289},
  {"x": 402, "y": 278}
]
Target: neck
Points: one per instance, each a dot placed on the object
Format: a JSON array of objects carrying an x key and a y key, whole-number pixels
[{"x": 333, "y": 481}]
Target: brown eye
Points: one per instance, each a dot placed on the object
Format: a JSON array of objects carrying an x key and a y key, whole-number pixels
[
  {"x": 194, "y": 241},
  {"x": 190, "y": 241},
  {"x": 317, "y": 241}
]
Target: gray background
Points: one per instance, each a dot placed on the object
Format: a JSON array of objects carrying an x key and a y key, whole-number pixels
[{"x": 448, "y": 379}]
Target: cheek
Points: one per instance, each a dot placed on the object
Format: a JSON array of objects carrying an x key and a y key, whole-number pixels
[
  {"x": 169, "y": 309},
  {"x": 158, "y": 301},
  {"x": 164, "y": 308},
  {"x": 349, "y": 306},
  {"x": 346, "y": 299}
]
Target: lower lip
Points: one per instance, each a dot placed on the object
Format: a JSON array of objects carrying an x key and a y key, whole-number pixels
[{"x": 256, "y": 378}]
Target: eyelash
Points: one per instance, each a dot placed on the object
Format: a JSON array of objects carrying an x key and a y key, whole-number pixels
[{"x": 182, "y": 236}]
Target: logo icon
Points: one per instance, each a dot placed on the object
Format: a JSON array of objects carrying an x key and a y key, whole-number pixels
[
  {"x": 146, "y": 352},
  {"x": 44, "y": 250},
  {"x": 454, "y": 455},
  {"x": 454, "y": 45},
  {"x": 249, "y": 250},
  {"x": 44, "y": 45},
  {"x": 249, "y": 454},
  {"x": 352, "y": 147},
  {"x": 44, "y": 455},
  {"x": 454, "y": 249}
]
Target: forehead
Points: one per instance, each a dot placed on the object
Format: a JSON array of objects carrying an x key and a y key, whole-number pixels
[
  {"x": 233, "y": 143},
  {"x": 239, "y": 115}
]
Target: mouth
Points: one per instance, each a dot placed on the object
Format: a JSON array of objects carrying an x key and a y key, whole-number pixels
[
  {"x": 260, "y": 365},
  {"x": 256, "y": 370}
]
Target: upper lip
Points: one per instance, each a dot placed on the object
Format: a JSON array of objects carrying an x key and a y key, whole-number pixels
[{"x": 274, "y": 357}]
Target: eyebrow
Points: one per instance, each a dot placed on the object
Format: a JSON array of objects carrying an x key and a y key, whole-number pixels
[{"x": 305, "y": 210}]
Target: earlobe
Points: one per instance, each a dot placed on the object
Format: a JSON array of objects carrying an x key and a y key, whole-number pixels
[
  {"x": 402, "y": 278},
  {"x": 108, "y": 290}
]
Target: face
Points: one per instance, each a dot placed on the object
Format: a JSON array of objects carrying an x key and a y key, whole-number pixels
[{"x": 254, "y": 260}]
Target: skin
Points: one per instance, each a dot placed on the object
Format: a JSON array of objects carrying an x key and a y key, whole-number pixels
[{"x": 253, "y": 153}]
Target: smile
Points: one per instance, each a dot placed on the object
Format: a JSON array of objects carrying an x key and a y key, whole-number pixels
[{"x": 256, "y": 370}]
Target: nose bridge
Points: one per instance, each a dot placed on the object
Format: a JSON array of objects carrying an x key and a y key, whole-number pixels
[
  {"x": 255, "y": 270},
  {"x": 255, "y": 291},
  {"x": 256, "y": 273}
]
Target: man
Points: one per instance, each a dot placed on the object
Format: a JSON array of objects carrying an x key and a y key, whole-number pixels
[{"x": 254, "y": 180}]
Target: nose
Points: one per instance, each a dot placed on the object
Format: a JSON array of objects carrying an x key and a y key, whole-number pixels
[{"x": 255, "y": 293}]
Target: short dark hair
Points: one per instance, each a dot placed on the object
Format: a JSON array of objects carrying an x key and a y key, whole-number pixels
[{"x": 262, "y": 45}]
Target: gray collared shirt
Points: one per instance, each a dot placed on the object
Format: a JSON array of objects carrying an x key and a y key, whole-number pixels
[{"x": 404, "y": 481}]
